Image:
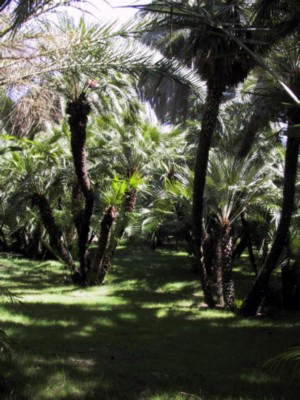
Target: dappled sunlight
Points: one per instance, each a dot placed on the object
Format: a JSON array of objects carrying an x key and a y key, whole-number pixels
[
  {"x": 143, "y": 332},
  {"x": 261, "y": 378}
]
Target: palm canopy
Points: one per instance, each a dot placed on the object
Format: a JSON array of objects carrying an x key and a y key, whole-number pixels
[
  {"x": 90, "y": 50},
  {"x": 224, "y": 40},
  {"x": 20, "y": 11},
  {"x": 202, "y": 32}
]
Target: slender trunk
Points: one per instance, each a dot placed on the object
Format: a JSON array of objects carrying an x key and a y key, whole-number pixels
[
  {"x": 3, "y": 242},
  {"x": 99, "y": 267},
  {"x": 218, "y": 273},
  {"x": 35, "y": 247},
  {"x": 258, "y": 120},
  {"x": 77, "y": 207},
  {"x": 129, "y": 206},
  {"x": 256, "y": 294},
  {"x": 208, "y": 249},
  {"x": 78, "y": 111},
  {"x": 227, "y": 250},
  {"x": 209, "y": 121},
  {"x": 247, "y": 234},
  {"x": 47, "y": 217}
]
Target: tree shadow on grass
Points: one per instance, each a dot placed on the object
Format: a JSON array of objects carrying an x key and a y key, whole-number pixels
[{"x": 146, "y": 337}]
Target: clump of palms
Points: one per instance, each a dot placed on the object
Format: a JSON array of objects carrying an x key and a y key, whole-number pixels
[{"x": 223, "y": 50}]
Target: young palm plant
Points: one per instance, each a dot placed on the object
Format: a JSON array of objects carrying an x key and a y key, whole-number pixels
[
  {"x": 33, "y": 179},
  {"x": 232, "y": 188}
]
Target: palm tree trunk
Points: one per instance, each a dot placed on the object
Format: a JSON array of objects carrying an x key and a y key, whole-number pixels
[
  {"x": 77, "y": 206},
  {"x": 258, "y": 120},
  {"x": 218, "y": 273},
  {"x": 227, "y": 250},
  {"x": 99, "y": 266},
  {"x": 256, "y": 294},
  {"x": 247, "y": 233},
  {"x": 78, "y": 110},
  {"x": 209, "y": 120},
  {"x": 129, "y": 206},
  {"x": 47, "y": 217},
  {"x": 3, "y": 243}
]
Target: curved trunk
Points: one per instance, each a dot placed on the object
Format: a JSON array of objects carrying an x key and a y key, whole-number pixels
[
  {"x": 256, "y": 294},
  {"x": 99, "y": 266},
  {"x": 78, "y": 111},
  {"x": 53, "y": 231},
  {"x": 209, "y": 120}
]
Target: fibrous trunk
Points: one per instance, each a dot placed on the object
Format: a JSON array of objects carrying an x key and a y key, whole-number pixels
[
  {"x": 53, "y": 231},
  {"x": 223, "y": 268},
  {"x": 247, "y": 234},
  {"x": 218, "y": 273},
  {"x": 100, "y": 266},
  {"x": 78, "y": 110},
  {"x": 209, "y": 121},
  {"x": 227, "y": 249},
  {"x": 123, "y": 221},
  {"x": 257, "y": 293}
]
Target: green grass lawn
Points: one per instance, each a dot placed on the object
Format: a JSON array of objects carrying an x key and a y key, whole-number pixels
[{"x": 141, "y": 336}]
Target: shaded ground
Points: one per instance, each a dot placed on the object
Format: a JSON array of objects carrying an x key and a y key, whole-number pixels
[{"x": 140, "y": 336}]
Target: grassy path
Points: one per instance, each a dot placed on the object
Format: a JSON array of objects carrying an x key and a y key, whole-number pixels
[{"x": 141, "y": 336}]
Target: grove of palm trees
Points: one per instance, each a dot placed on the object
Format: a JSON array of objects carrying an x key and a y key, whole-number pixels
[{"x": 149, "y": 186}]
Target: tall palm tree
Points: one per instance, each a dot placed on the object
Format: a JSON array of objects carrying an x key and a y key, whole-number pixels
[{"x": 287, "y": 66}]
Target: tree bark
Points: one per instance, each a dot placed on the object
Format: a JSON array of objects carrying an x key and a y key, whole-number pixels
[
  {"x": 209, "y": 121},
  {"x": 257, "y": 293},
  {"x": 78, "y": 111},
  {"x": 218, "y": 274},
  {"x": 99, "y": 267},
  {"x": 227, "y": 250},
  {"x": 129, "y": 206},
  {"x": 3, "y": 243},
  {"x": 47, "y": 217},
  {"x": 247, "y": 233}
]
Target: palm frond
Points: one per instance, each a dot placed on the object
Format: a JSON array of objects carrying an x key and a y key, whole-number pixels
[{"x": 287, "y": 362}]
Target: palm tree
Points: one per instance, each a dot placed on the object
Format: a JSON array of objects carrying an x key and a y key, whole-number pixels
[
  {"x": 232, "y": 188},
  {"x": 289, "y": 67},
  {"x": 136, "y": 147},
  {"x": 219, "y": 43},
  {"x": 37, "y": 181}
]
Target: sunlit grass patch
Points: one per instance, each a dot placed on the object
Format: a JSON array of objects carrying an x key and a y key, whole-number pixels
[{"x": 144, "y": 334}]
